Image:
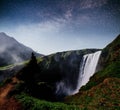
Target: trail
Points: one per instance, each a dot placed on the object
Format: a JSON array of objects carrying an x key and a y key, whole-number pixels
[
  {"x": 4, "y": 93},
  {"x": 6, "y": 102}
]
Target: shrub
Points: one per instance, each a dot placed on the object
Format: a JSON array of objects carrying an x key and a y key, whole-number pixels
[{"x": 31, "y": 103}]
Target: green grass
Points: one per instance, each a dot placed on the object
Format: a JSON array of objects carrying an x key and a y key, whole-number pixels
[
  {"x": 40, "y": 59},
  {"x": 104, "y": 96},
  {"x": 112, "y": 70},
  {"x": 7, "y": 67},
  {"x": 13, "y": 65},
  {"x": 31, "y": 103}
]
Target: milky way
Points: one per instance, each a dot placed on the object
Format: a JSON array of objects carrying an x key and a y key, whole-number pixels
[{"x": 61, "y": 20}]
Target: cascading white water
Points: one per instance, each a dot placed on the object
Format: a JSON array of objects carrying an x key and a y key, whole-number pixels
[{"x": 87, "y": 69}]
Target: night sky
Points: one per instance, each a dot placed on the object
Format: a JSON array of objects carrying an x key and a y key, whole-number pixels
[{"x": 50, "y": 26}]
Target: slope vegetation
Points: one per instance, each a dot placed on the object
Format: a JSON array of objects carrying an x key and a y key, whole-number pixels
[{"x": 102, "y": 91}]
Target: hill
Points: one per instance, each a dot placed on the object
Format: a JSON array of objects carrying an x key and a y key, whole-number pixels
[
  {"x": 53, "y": 70},
  {"x": 11, "y": 51},
  {"x": 102, "y": 91},
  {"x": 49, "y": 79},
  {"x": 37, "y": 81}
]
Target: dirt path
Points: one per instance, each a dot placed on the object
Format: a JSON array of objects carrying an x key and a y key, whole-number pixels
[
  {"x": 4, "y": 93},
  {"x": 8, "y": 103}
]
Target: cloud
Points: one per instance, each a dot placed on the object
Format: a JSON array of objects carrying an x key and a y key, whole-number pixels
[
  {"x": 68, "y": 14},
  {"x": 86, "y": 4},
  {"x": 44, "y": 37},
  {"x": 42, "y": 28}
]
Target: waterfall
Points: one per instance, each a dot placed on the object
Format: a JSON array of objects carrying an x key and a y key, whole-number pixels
[{"x": 87, "y": 69}]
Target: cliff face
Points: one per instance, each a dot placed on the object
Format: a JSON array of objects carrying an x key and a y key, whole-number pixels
[
  {"x": 63, "y": 69},
  {"x": 53, "y": 70},
  {"x": 65, "y": 64}
]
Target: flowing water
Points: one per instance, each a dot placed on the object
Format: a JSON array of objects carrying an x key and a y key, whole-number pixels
[{"x": 87, "y": 68}]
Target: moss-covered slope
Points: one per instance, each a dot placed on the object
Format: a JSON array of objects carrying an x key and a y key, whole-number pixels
[
  {"x": 102, "y": 91},
  {"x": 104, "y": 96},
  {"x": 109, "y": 63}
]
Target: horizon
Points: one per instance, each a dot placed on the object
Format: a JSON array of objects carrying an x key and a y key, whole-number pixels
[
  {"x": 55, "y": 26},
  {"x": 56, "y": 51}
]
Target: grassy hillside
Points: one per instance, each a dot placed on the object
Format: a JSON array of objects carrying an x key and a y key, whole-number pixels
[
  {"x": 13, "y": 65},
  {"x": 36, "y": 82},
  {"x": 7, "y": 72},
  {"x": 102, "y": 91},
  {"x": 104, "y": 96},
  {"x": 109, "y": 63},
  {"x": 31, "y": 103},
  {"x": 36, "y": 87}
]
